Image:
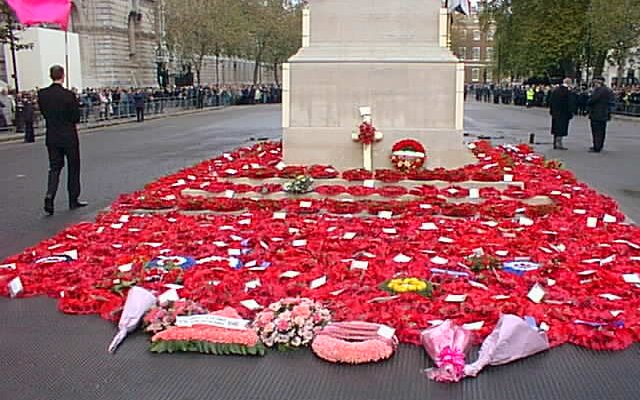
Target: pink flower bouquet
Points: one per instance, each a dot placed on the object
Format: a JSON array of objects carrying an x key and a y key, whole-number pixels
[
  {"x": 291, "y": 323},
  {"x": 447, "y": 345}
]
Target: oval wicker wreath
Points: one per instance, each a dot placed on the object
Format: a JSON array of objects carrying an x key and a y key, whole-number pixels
[
  {"x": 353, "y": 343},
  {"x": 408, "y": 155}
]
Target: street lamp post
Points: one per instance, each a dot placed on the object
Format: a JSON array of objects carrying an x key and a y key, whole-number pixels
[{"x": 12, "y": 45}]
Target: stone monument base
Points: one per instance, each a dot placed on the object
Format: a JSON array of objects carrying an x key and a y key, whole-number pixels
[{"x": 307, "y": 146}]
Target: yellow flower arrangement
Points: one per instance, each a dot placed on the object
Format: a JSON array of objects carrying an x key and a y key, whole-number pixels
[{"x": 408, "y": 285}]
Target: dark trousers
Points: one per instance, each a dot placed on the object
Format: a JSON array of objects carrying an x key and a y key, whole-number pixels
[
  {"x": 57, "y": 155},
  {"x": 140, "y": 114},
  {"x": 29, "y": 134},
  {"x": 599, "y": 132}
]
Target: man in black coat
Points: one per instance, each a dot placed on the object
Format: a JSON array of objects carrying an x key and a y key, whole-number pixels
[
  {"x": 600, "y": 113},
  {"x": 562, "y": 108},
  {"x": 61, "y": 111}
]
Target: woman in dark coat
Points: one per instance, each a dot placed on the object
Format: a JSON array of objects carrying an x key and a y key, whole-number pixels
[{"x": 562, "y": 109}]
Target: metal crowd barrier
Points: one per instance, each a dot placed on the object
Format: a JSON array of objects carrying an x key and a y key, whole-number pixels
[
  {"x": 629, "y": 109},
  {"x": 96, "y": 115}
]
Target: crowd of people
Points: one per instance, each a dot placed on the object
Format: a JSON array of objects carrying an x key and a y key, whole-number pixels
[
  {"x": 20, "y": 110},
  {"x": 565, "y": 101},
  {"x": 627, "y": 97}
]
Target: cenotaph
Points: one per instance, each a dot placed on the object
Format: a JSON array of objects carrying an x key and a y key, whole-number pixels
[{"x": 389, "y": 56}]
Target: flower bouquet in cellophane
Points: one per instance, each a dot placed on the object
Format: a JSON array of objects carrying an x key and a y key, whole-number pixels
[{"x": 447, "y": 344}]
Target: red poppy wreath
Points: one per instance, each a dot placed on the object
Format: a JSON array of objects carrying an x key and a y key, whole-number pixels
[{"x": 408, "y": 155}]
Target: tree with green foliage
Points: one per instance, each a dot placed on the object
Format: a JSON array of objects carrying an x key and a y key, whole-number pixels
[
  {"x": 200, "y": 28},
  {"x": 538, "y": 37},
  {"x": 562, "y": 37},
  {"x": 614, "y": 29}
]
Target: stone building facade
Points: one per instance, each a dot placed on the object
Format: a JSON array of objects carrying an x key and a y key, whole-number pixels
[
  {"x": 118, "y": 43},
  {"x": 473, "y": 45}
]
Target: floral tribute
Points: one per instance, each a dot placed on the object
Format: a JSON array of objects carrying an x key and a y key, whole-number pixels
[
  {"x": 408, "y": 155},
  {"x": 408, "y": 285},
  {"x": 208, "y": 339},
  {"x": 366, "y": 133},
  {"x": 253, "y": 250},
  {"x": 355, "y": 342},
  {"x": 291, "y": 323},
  {"x": 164, "y": 316},
  {"x": 300, "y": 185}
]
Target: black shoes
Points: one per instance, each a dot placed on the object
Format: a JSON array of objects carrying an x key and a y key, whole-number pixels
[
  {"x": 48, "y": 206},
  {"x": 77, "y": 204},
  {"x": 592, "y": 150},
  {"x": 49, "y": 209}
]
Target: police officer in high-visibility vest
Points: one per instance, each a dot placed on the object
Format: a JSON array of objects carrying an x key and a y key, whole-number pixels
[{"x": 531, "y": 96}]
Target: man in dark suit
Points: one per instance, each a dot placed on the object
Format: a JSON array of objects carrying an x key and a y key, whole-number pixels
[
  {"x": 599, "y": 113},
  {"x": 61, "y": 111},
  {"x": 562, "y": 108}
]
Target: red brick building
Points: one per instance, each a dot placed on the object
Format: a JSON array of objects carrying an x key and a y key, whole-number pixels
[{"x": 474, "y": 46}]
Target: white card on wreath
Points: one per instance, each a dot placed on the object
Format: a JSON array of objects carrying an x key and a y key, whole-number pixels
[
  {"x": 251, "y": 304},
  {"x": 428, "y": 226},
  {"x": 401, "y": 258},
  {"x": 474, "y": 326},
  {"x": 290, "y": 274},
  {"x": 125, "y": 267},
  {"x": 386, "y": 332},
  {"x": 536, "y": 293},
  {"x": 349, "y": 235},
  {"x": 369, "y": 183},
  {"x": 316, "y": 283},
  {"x": 169, "y": 295},
  {"x": 456, "y": 298},
  {"x": 362, "y": 265},
  {"x": 15, "y": 286}
]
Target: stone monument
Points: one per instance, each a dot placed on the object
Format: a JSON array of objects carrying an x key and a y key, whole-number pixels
[{"x": 387, "y": 57}]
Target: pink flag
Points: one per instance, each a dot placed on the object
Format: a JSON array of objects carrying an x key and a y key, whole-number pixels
[{"x": 33, "y": 12}]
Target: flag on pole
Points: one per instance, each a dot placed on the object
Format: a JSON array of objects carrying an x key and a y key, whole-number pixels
[
  {"x": 33, "y": 12},
  {"x": 461, "y": 6}
]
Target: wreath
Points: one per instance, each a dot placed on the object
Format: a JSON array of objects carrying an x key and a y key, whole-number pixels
[
  {"x": 355, "y": 342},
  {"x": 408, "y": 155},
  {"x": 366, "y": 133}
]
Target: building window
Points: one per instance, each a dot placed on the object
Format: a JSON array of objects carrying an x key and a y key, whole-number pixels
[
  {"x": 462, "y": 53},
  {"x": 489, "y": 53},
  {"x": 475, "y": 74},
  {"x": 490, "y": 35},
  {"x": 489, "y": 75},
  {"x": 476, "y": 54},
  {"x": 477, "y": 35}
]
